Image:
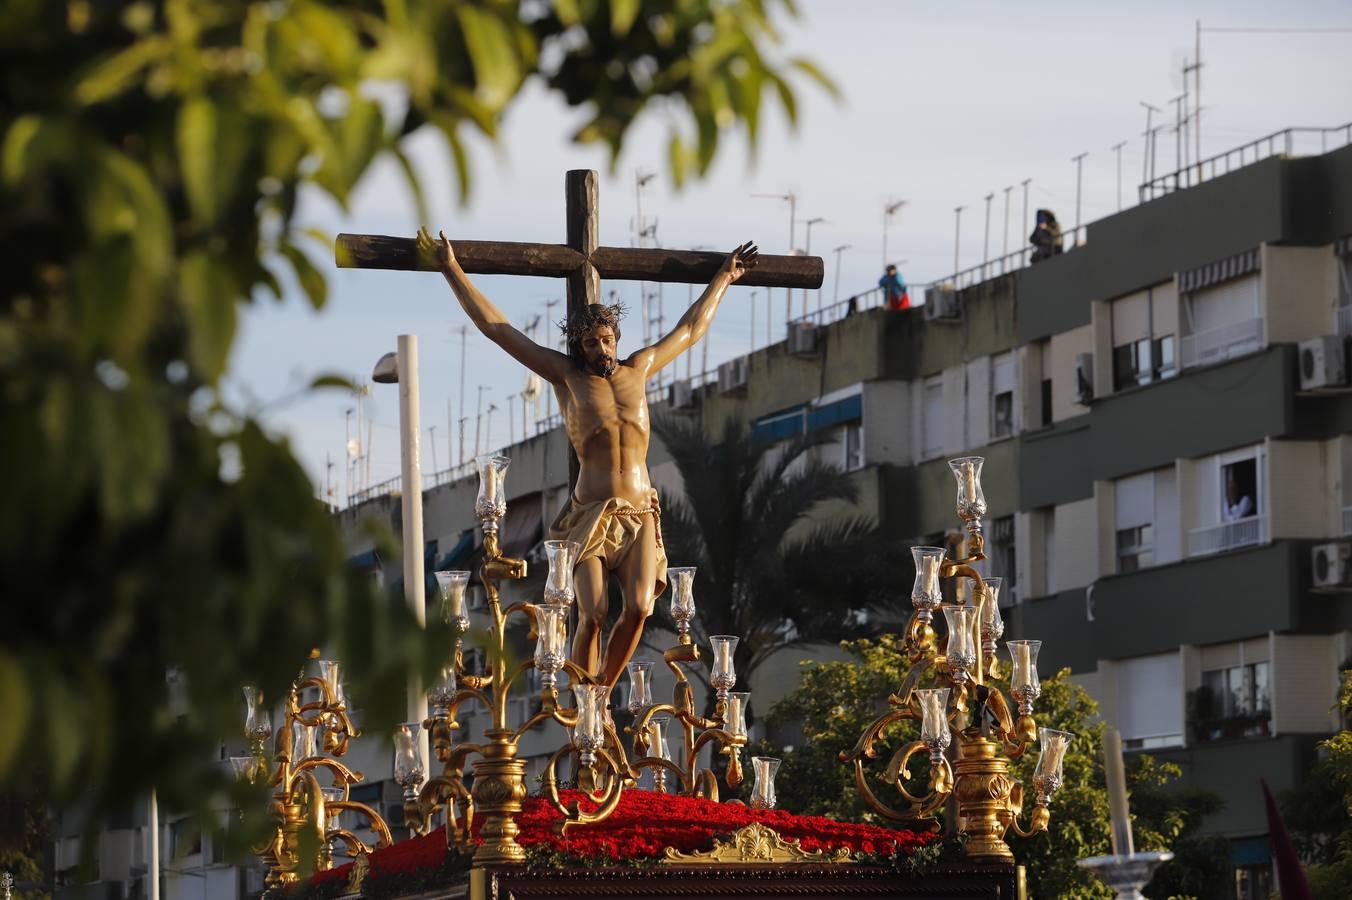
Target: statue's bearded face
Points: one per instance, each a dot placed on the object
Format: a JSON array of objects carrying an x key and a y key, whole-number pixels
[{"x": 598, "y": 350}]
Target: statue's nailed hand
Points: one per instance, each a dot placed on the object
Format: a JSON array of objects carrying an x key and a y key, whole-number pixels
[
  {"x": 436, "y": 252},
  {"x": 740, "y": 260}
]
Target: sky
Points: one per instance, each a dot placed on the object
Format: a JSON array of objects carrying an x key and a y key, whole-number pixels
[{"x": 941, "y": 105}]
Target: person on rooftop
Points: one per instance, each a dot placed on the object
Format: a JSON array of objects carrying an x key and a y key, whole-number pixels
[{"x": 894, "y": 289}]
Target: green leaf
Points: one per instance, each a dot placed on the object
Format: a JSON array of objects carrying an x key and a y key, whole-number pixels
[
  {"x": 809, "y": 68},
  {"x": 198, "y": 136},
  {"x": 311, "y": 281},
  {"x": 115, "y": 74},
  {"x": 333, "y": 381},
  {"x": 449, "y": 126},
  {"x": 414, "y": 185},
  {"x": 21, "y": 136},
  {"x": 16, "y": 707},
  {"x": 676, "y": 159},
  {"x": 207, "y": 293},
  {"x": 786, "y": 98},
  {"x": 622, "y": 16},
  {"x": 493, "y": 54},
  {"x": 568, "y": 12}
]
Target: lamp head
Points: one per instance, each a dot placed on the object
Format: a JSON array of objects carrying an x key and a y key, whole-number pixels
[{"x": 387, "y": 369}]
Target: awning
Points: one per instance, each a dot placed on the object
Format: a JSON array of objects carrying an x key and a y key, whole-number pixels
[
  {"x": 1213, "y": 273},
  {"x": 367, "y": 561},
  {"x": 831, "y": 414},
  {"x": 523, "y": 526},
  {"x": 780, "y": 425},
  {"x": 1250, "y": 851},
  {"x": 461, "y": 554}
]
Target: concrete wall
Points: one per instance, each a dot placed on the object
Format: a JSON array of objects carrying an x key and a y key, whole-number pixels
[
  {"x": 1300, "y": 292},
  {"x": 1065, "y": 346},
  {"x": 1304, "y": 684},
  {"x": 1300, "y": 504}
]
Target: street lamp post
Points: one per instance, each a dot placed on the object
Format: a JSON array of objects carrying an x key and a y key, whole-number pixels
[
  {"x": 807, "y": 251},
  {"x": 888, "y": 210},
  {"x": 837, "y": 251},
  {"x": 793, "y": 218}
]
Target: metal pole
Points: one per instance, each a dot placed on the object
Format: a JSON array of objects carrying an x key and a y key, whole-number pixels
[
  {"x": 478, "y": 420},
  {"x": 1145, "y": 151},
  {"x": 347, "y": 451},
  {"x": 464, "y": 329},
  {"x": 888, "y": 210},
  {"x": 1197, "y": 98},
  {"x": 1079, "y": 168},
  {"x": 986, "y": 240},
  {"x": 1178, "y": 131},
  {"x": 839, "y": 250},
  {"x": 767, "y": 318},
  {"x": 153, "y": 837},
  {"x": 511, "y": 418},
  {"x": 1004, "y": 252},
  {"x": 807, "y": 251},
  {"x": 1117, "y": 148},
  {"x": 411, "y": 463},
  {"x": 753, "y": 320},
  {"x": 957, "y": 239},
  {"x": 1025, "y": 184},
  {"x": 432, "y": 442}
]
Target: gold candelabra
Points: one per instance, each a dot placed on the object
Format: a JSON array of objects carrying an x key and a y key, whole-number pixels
[
  {"x": 963, "y": 700},
  {"x": 603, "y": 768},
  {"x": 306, "y": 812}
]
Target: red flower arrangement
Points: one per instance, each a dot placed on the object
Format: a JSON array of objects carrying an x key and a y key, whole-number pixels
[{"x": 643, "y": 825}]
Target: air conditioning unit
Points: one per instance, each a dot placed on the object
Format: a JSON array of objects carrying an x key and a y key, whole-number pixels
[
  {"x": 1331, "y": 565},
  {"x": 941, "y": 303},
  {"x": 732, "y": 375},
  {"x": 1084, "y": 378},
  {"x": 681, "y": 395},
  {"x": 1323, "y": 362},
  {"x": 802, "y": 339}
]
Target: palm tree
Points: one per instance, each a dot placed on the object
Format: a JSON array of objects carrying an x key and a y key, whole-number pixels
[{"x": 768, "y": 570}]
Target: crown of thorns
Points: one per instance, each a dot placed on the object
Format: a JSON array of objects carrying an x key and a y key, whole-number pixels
[{"x": 576, "y": 326}]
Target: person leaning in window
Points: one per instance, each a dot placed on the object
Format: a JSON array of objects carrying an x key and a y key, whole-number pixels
[
  {"x": 894, "y": 289},
  {"x": 1238, "y": 505}
]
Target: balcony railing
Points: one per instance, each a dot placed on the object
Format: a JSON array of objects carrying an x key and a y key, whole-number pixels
[
  {"x": 1206, "y": 348},
  {"x": 1227, "y": 536},
  {"x": 1344, "y": 321}
]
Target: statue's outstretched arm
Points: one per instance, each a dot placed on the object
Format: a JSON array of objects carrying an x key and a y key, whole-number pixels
[
  {"x": 700, "y": 315},
  {"x": 550, "y": 365}
]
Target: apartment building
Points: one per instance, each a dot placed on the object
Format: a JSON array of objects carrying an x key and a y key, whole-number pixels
[{"x": 1165, "y": 411}]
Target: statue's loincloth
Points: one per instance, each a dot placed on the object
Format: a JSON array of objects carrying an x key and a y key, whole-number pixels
[{"x": 608, "y": 529}]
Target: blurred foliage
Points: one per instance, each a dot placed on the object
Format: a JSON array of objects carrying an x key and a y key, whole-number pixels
[
  {"x": 152, "y": 155},
  {"x": 1319, "y": 812},
  {"x": 772, "y": 565},
  {"x": 836, "y": 701}
]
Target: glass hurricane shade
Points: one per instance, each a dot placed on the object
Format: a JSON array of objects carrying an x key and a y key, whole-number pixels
[
  {"x": 657, "y": 737},
  {"x": 443, "y": 690},
  {"x": 408, "y": 764},
  {"x": 331, "y": 673},
  {"x": 764, "y": 769},
  {"x": 562, "y": 558},
  {"x": 934, "y": 718},
  {"x": 682, "y": 596},
  {"x": 451, "y": 585},
  {"x": 257, "y": 717},
  {"x": 1023, "y": 668},
  {"x": 334, "y": 817},
  {"x": 971, "y": 501},
  {"x": 738, "y": 701},
  {"x": 992, "y": 623},
  {"x": 961, "y": 649},
  {"x": 303, "y": 744},
  {"x": 1051, "y": 758},
  {"x": 551, "y": 640},
  {"x": 925, "y": 593},
  {"x": 590, "y": 731},
  {"x": 491, "y": 503},
  {"x": 723, "y": 676},
  {"x": 243, "y": 767},
  {"x": 640, "y": 686}
]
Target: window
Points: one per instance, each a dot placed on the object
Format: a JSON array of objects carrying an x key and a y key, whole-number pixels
[
  {"x": 1239, "y": 490},
  {"x": 1144, "y": 361},
  {"x": 1233, "y": 702},
  {"x": 1150, "y": 701},
  {"x": 1002, "y": 395},
  {"x": 185, "y": 838},
  {"x": 934, "y": 418},
  {"x": 1135, "y": 548},
  {"x": 1000, "y": 553},
  {"x": 854, "y": 446},
  {"x": 1046, "y": 401}
]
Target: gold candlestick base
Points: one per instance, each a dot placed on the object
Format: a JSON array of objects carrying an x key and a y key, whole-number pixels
[
  {"x": 982, "y": 790},
  {"x": 499, "y": 790}
]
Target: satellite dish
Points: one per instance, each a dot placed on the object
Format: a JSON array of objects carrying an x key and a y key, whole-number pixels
[
  {"x": 353, "y": 448},
  {"x": 532, "y": 388}
]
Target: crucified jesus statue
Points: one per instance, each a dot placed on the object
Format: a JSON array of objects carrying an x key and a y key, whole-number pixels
[{"x": 613, "y": 512}]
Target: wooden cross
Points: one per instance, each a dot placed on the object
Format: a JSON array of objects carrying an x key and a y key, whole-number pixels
[{"x": 581, "y": 260}]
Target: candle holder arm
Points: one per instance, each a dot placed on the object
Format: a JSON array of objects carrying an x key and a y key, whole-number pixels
[{"x": 1038, "y": 819}]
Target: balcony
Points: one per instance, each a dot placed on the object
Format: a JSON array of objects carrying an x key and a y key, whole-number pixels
[
  {"x": 1215, "y": 345},
  {"x": 1228, "y": 536}
]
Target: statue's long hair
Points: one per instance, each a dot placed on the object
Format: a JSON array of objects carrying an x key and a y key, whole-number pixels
[{"x": 576, "y": 326}]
